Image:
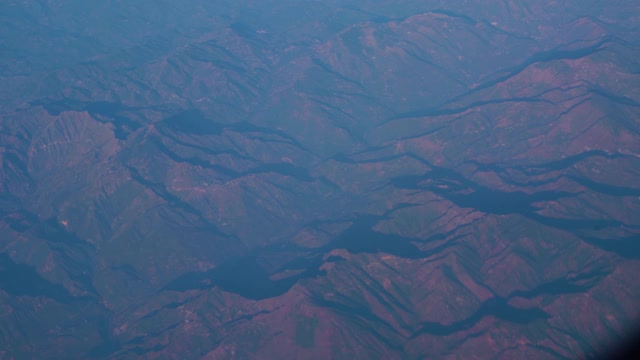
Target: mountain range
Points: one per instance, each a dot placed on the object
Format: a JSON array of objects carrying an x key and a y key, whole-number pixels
[{"x": 294, "y": 179}]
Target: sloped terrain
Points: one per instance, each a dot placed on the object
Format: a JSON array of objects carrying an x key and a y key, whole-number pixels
[{"x": 319, "y": 180}]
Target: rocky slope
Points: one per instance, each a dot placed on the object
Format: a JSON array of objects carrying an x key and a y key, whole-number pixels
[{"x": 337, "y": 179}]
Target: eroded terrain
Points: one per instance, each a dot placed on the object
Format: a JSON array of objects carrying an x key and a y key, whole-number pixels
[{"x": 344, "y": 180}]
